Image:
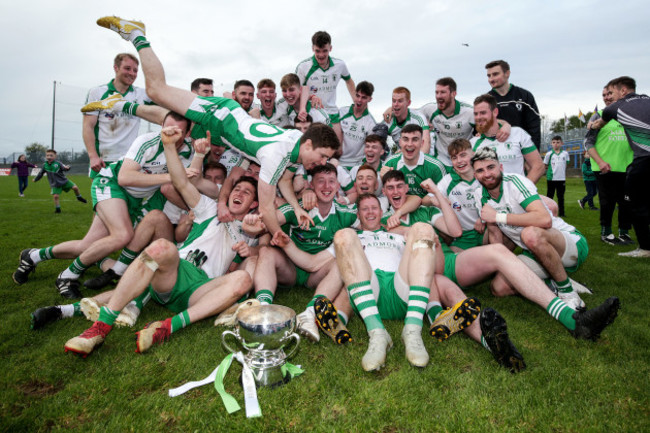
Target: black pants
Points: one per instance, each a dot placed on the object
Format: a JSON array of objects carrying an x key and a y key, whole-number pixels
[
  {"x": 611, "y": 187},
  {"x": 637, "y": 194},
  {"x": 560, "y": 187}
]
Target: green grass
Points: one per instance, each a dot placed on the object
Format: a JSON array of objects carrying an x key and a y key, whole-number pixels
[{"x": 569, "y": 385}]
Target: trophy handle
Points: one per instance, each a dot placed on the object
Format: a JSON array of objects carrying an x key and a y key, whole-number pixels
[
  {"x": 297, "y": 338},
  {"x": 223, "y": 340}
]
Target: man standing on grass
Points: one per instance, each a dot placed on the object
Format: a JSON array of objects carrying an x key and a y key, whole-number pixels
[{"x": 633, "y": 112}]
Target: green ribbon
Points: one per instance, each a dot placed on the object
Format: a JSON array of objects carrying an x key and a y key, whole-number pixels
[{"x": 228, "y": 400}]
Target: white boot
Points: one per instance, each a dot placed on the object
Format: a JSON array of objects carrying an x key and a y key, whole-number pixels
[
  {"x": 415, "y": 352},
  {"x": 380, "y": 343}
]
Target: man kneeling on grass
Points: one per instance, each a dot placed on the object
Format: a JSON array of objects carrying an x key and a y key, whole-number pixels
[{"x": 195, "y": 287}]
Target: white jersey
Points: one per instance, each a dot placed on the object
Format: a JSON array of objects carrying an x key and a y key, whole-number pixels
[
  {"x": 318, "y": 115},
  {"x": 209, "y": 244},
  {"x": 115, "y": 132},
  {"x": 556, "y": 163},
  {"x": 517, "y": 192},
  {"x": 322, "y": 82},
  {"x": 383, "y": 250},
  {"x": 231, "y": 158},
  {"x": 355, "y": 130},
  {"x": 511, "y": 152},
  {"x": 447, "y": 129},
  {"x": 279, "y": 116},
  {"x": 147, "y": 150},
  {"x": 413, "y": 117},
  {"x": 462, "y": 195}
]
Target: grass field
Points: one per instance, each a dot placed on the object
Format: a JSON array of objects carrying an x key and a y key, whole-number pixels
[{"x": 569, "y": 385}]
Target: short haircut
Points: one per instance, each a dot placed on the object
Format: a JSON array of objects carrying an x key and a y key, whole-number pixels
[
  {"x": 321, "y": 38},
  {"x": 265, "y": 82},
  {"x": 404, "y": 90},
  {"x": 374, "y": 138},
  {"x": 412, "y": 127},
  {"x": 289, "y": 80},
  {"x": 485, "y": 153},
  {"x": 240, "y": 83},
  {"x": 248, "y": 179},
  {"x": 458, "y": 145},
  {"x": 366, "y": 195},
  {"x": 366, "y": 88},
  {"x": 556, "y": 137},
  {"x": 197, "y": 83},
  {"x": 213, "y": 165},
  {"x": 118, "y": 59},
  {"x": 505, "y": 67},
  {"x": 308, "y": 119},
  {"x": 393, "y": 175},
  {"x": 487, "y": 98},
  {"x": 51, "y": 151},
  {"x": 624, "y": 81},
  {"x": 179, "y": 118},
  {"x": 325, "y": 168},
  {"x": 366, "y": 167},
  {"x": 321, "y": 135},
  {"x": 448, "y": 82}
]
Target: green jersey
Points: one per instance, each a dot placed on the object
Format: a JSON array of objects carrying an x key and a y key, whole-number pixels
[
  {"x": 319, "y": 236},
  {"x": 427, "y": 167}
]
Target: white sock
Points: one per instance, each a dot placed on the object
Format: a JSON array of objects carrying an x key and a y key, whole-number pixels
[
  {"x": 68, "y": 275},
  {"x": 66, "y": 310},
  {"x": 119, "y": 268}
]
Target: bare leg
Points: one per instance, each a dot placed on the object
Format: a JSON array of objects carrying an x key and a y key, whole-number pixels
[
  {"x": 72, "y": 249},
  {"x": 548, "y": 246}
]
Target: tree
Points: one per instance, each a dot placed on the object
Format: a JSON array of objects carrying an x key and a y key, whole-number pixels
[
  {"x": 35, "y": 153},
  {"x": 574, "y": 123}
]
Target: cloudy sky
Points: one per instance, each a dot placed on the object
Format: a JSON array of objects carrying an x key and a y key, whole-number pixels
[{"x": 563, "y": 54}]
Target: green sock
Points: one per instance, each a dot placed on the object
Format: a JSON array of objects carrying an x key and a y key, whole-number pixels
[
  {"x": 605, "y": 230},
  {"x": 417, "y": 305},
  {"x": 77, "y": 267},
  {"x": 313, "y": 300},
  {"x": 77, "y": 309},
  {"x": 265, "y": 297},
  {"x": 362, "y": 298},
  {"x": 180, "y": 321},
  {"x": 484, "y": 343},
  {"x": 434, "y": 308},
  {"x": 44, "y": 254},
  {"x": 107, "y": 315},
  {"x": 141, "y": 42},
  {"x": 562, "y": 313},
  {"x": 564, "y": 286},
  {"x": 142, "y": 300},
  {"x": 130, "y": 108}
]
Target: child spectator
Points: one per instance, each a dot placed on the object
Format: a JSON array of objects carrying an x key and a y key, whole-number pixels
[
  {"x": 590, "y": 184},
  {"x": 22, "y": 168},
  {"x": 57, "y": 179}
]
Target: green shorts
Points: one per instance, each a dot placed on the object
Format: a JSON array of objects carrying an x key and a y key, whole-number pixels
[
  {"x": 188, "y": 279},
  {"x": 450, "y": 266},
  {"x": 67, "y": 187},
  {"x": 469, "y": 239},
  {"x": 104, "y": 188},
  {"x": 575, "y": 252},
  {"x": 390, "y": 305},
  {"x": 301, "y": 278}
]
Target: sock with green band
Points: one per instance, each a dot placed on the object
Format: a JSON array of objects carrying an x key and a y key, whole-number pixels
[
  {"x": 180, "y": 321},
  {"x": 107, "y": 315},
  {"x": 265, "y": 297},
  {"x": 562, "y": 313},
  {"x": 417, "y": 305},
  {"x": 362, "y": 297}
]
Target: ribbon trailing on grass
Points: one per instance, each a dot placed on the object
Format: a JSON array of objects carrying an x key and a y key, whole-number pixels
[{"x": 250, "y": 391}]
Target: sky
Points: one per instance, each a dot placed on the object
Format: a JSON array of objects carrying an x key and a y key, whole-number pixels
[{"x": 562, "y": 53}]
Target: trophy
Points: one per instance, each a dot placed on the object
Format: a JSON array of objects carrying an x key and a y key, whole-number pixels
[{"x": 264, "y": 331}]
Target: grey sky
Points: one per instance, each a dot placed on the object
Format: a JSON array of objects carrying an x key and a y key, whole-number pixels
[{"x": 563, "y": 54}]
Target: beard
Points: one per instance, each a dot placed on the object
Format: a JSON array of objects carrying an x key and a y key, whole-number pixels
[
  {"x": 490, "y": 185},
  {"x": 483, "y": 129}
]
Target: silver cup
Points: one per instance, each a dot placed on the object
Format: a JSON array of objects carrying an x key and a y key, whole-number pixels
[{"x": 264, "y": 331}]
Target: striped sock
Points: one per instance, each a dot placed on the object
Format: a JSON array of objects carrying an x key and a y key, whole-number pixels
[
  {"x": 142, "y": 300},
  {"x": 484, "y": 343},
  {"x": 124, "y": 260},
  {"x": 417, "y": 304},
  {"x": 562, "y": 313},
  {"x": 141, "y": 42},
  {"x": 265, "y": 297},
  {"x": 75, "y": 270},
  {"x": 107, "y": 315},
  {"x": 313, "y": 300},
  {"x": 180, "y": 321},
  {"x": 130, "y": 108},
  {"x": 362, "y": 297},
  {"x": 564, "y": 286},
  {"x": 42, "y": 254},
  {"x": 434, "y": 308},
  {"x": 343, "y": 317}
]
